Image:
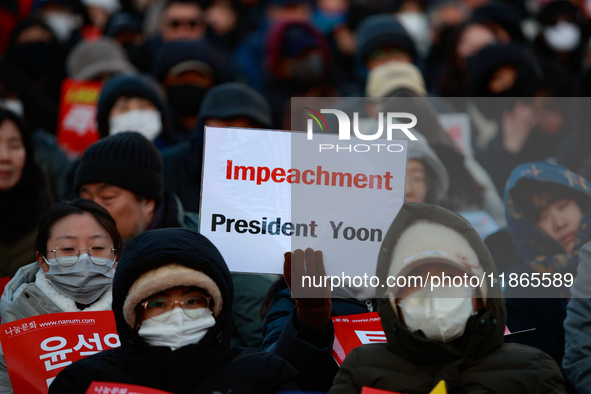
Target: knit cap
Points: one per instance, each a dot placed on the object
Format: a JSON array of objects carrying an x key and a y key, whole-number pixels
[
  {"x": 127, "y": 160},
  {"x": 90, "y": 59},
  {"x": 235, "y": 99},
  {"x": 387, "y": 78},
  {"x": 425, "y": 242},
  {"x": 379, "y": 31}
]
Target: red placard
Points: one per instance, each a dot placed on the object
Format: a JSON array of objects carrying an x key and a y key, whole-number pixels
[
  {"x": 38, "y": 348},
  {"x": 121, "y": 388},
  {"x": 356, "y": 330},
  {"x": 77, "y": 127}
]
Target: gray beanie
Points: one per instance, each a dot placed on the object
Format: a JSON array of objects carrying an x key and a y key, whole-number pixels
[{"x": 90, "y": 59}]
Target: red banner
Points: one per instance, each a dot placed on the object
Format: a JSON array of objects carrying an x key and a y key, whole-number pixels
[
  {"x": 77, "y": 127},
  {"x": 38, "y": 348},
  {"x": 356, "y": 330},
  {"x": 120, "y": 388}
]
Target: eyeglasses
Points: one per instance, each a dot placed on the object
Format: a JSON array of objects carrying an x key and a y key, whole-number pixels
[
  {"x": 176, "y": 23},
  {"x": 160, "y": 308},
  {"x": 67, "y": 255}
]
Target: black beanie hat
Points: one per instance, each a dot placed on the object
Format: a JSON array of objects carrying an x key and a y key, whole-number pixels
[
  {"x": 235, "y": 99},
  {"x": 378, "y": 31},
  {"x": 127, "y": 160}
]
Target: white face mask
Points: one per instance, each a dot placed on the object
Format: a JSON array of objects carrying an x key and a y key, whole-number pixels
[
  {"x": 417, "y": 26},
  {"x": 178, "y": 331},
  {"x": 15, "y": 106},
  {"x": 563, "y": 37},
  {"x": 438, "y": 317},
  {"x": 61, "y": 23},
  {"x": 146, "y": 122}
]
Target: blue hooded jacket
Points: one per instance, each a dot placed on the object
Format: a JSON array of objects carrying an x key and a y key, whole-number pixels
[
  {"x": 534, "y": 251},
  {"x": 538, "y": 250}
]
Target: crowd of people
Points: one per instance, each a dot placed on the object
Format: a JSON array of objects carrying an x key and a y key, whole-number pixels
[{"x": 117, "y": 226}]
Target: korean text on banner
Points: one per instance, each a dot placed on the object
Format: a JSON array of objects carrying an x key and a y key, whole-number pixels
[
  {"x": 77, "y": 127},
  {"x": 266, "y": 192},
  {"x": 121, "y": 388},
  {"x": 355, "y": 330},
  {"x": 37, "y": 348}
]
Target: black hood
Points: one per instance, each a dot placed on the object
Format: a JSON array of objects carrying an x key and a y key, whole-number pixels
[{"x": 191, "y": 363}]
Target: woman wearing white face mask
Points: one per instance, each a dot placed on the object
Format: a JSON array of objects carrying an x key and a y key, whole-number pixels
[
  {"x": 453, "y": 333},
  {"x": 172, "y": 300},
  {"x": 77, "y": 246}
]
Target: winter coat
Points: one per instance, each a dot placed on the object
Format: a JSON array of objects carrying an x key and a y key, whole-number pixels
[
  {"x": 577, "y": 326},
  {"x": 534, "y": 252},
  {"x": 307, "y": 349},
  {"x": 478, "y": 362},
  {"x": 171, "y": 213},
  {"x": 28, "y": 294},
  {"x": 420, "y": 150},
  {"x": 209, "y": 366}
]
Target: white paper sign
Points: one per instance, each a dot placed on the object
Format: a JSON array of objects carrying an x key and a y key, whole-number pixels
[
  {"x": 457, "y": 126},
  {"x": 268, "y": 192}
]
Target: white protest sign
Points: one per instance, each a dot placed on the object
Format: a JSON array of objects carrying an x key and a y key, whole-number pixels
[
  {"x": 457, "y": 126},
  {"x": 268, "y": 192}
]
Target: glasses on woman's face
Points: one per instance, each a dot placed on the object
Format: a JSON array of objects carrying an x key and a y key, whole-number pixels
[
  {"x": 160, "y": 308},
  {"x": 67, "y": 255}
]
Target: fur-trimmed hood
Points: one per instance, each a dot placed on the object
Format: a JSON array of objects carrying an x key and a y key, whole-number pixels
[{"x": 157, "y": 248}]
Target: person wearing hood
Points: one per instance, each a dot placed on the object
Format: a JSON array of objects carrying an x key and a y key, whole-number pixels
[
  {"x": 77, "y": 247},
  {"x": 427, "y": 179},
  {"x": 398, "y": 86},
  {"x": 25, "y": 195},
  {"x": 577, "y": 354},
  {"x": 489, "y": 24},
  {"x": 172, "y": 300},
  {"x": 229, "y": 104},
  {"x": 504, "y": 79},
  {"x": 126, "y": 29},
  {"x": 135, "y": 103},
  {"x": 548, "y": 210},
  {"x": 298, "y": 64},
  {"x": 187, "y": 70},
  {"x": 35, "y": 51},
  {"x": 123, "y": 173},
  {"x": 251, "y": 51},
  {"x": 432, "y": 337},
  {"x": 382, "y": 39}
]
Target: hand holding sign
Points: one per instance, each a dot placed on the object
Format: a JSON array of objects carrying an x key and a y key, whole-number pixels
[{"x": 314, "y": 309}]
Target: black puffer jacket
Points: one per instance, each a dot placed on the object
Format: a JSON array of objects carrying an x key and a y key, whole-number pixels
[
  {"x": 206, "y": 367},
  {"x": 478, "y": 363}
]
